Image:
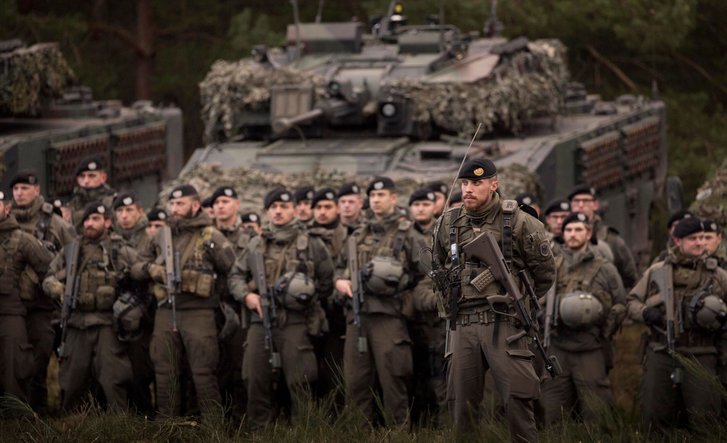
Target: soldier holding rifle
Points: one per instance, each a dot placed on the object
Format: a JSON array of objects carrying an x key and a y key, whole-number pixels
[
  {"x": 85, "y": 276},
  {"x": 279, "y": 279},
  {"x": 682, "y": 300},
  {"x": 185, "y": 259},
  {"x": 486, "y": 320}
]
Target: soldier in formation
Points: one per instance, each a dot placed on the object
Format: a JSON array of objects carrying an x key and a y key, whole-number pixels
[
  {"x": 90, "y": 349},
  {"x": 474, "y": 300},
  {"x": 279, "y": 279},
  {"x": 19, "y": 251},
  {"x": 591, "y": 302},
  {"x": 386, "y": 249},
  {"x": 682, "y": 301},
  {"x": 91, "y": 185}
]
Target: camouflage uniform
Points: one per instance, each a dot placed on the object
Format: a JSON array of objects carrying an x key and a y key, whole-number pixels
[
  {"x": 138, "y": 350},
  {"x": 329, "y": 347},
  {"x": 622, "y": 257},
  {"x": 205, "y": 254},
  {"x": 428, "y": 335},
  {"x": 285, "y": 249},
  {"x": 94, "y": 349},
  {"x": 232, "y": 350},
  {"x": 388, "y": 358},
  {"x": 479, "y": 342},
  {"x": 584, "y": 352},
  {"x": 18, "y": 251},
  {"x": 39, "y": 220},
  {"x": 659, "y": 396}
]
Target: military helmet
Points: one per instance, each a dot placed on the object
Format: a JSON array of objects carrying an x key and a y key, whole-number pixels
[
  {"x": 295, "y": 290},
  {"x": 580, "y": 309},
  {"x": 127, "y": 312},
  {"x": 384, "y": 275},
  {"x": 709, "y": 312}
]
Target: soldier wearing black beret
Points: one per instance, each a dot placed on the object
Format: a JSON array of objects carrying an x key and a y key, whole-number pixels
[
  {"x": 91, "y": 185},
  {"x": 440, "y": 190},
  {"x": 529, "y": 199},
  {"x": 157, "y": 218},
  {"x": 583, "y": 199},
  {"x": 556, "y": 211},
  {"x": 303, "y": 197},
  {"x": 350, "y": 205},
  {"x": 129, "y": 217}
]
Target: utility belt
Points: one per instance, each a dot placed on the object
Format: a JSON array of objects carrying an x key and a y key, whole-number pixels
[
  {"x": 484, "y": 314},
  {"x": 688, "y": 339}
]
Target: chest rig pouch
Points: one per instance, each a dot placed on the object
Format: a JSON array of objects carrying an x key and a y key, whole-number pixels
[
  {"x": 198, "y": 277},
  {"x": 98, "y": 280},
  {"x": 384, "y": 272},
  {"x": 295, "y": 289}
]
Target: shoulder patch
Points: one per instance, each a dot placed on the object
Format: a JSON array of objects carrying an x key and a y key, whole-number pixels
[
  {"x": 545, "y": 248},
  {"x": 404, "y": 225},
  {"x": 301, "y": 243}
]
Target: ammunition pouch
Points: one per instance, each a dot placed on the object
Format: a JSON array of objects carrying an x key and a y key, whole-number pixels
[
  {"x": 199, "y": 283},
  {"x": 28, "y": 284},
  {"x": 295, "y": 291},
  {"x": 105, "y": 297},
  {"x": 96, "y": 290},
  {"x": 385, "y": 276},
  {"x": 127, "y": 314}
]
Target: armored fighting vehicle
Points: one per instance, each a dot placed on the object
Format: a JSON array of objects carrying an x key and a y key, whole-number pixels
[
  {"x": 405, "y": 100},
  {"x": 50, "y": 124}
]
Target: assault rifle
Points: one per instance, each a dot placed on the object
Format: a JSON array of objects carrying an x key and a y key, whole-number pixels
[
  {"x": 485, "y": 249},
  {"x": 551, "y": 315},
  {"x": 358, "y": 291},
  {"x": 267, "y": 303},
  {"x": 173, "y": 271},
  {"x": 71, "y": 254},
  {"x": 664, "y": 280}
]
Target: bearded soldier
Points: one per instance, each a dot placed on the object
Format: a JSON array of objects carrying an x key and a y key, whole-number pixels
[
  {"x": 95, "y": 351},
  {"x": 482, "y": 339},
  {"x": 19, "y": 251},
  {"x": 591, "y": 304},
  {"x": 583, "y": 199},
  {"x": 184, "y": 323},
  {"x": 36, "y": 217},
  {"x": 378, "y": 346},
  {"x": 682, "y": 300},
  {"x": 91, "y": 185},
  {"x": 279, "y": 278},
  {"x": 329, "y": 348}
]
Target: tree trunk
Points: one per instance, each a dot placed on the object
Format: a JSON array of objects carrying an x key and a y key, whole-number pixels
[{"x": 145, "y": 51}]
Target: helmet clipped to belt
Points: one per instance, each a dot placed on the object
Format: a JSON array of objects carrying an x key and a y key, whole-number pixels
[
  {"x": 127, "y": 317},
  {"x": 709, "y": 312},
  {"x": 295, "y": 290},
  {"x": 579, "y": 310},
  {"x": 384, "y": 275}
]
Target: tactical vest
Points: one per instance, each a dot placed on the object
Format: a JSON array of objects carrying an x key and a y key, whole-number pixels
[
  {"x": 477, "y": 282},
  {"x": 99, "y": 278},
  {"x": 383, "y": 253},
  {"x": 291, "y": 257},
  {"x": 9, "y": 272},
  {"x": 580, "y": 279},
  {"x": 198, "y": 274}
]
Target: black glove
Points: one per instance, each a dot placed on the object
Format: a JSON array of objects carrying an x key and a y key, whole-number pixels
[{"x": 653, "y": 316}]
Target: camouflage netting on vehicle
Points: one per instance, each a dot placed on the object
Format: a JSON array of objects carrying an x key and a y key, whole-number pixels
[
  {"x": 530, "y": 83},
  {"x": 711, "y": 201},
  {"x": 253, "y": 184},
  {"x": 231, "y": 88},
  {"x": 31, "y": 77}
]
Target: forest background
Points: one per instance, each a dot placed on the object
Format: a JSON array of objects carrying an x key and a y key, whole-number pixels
[{"x": 161, "y": 49}]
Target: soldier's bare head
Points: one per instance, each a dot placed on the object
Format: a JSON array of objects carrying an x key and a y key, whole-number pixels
[{"x": 25, "y": 187}]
